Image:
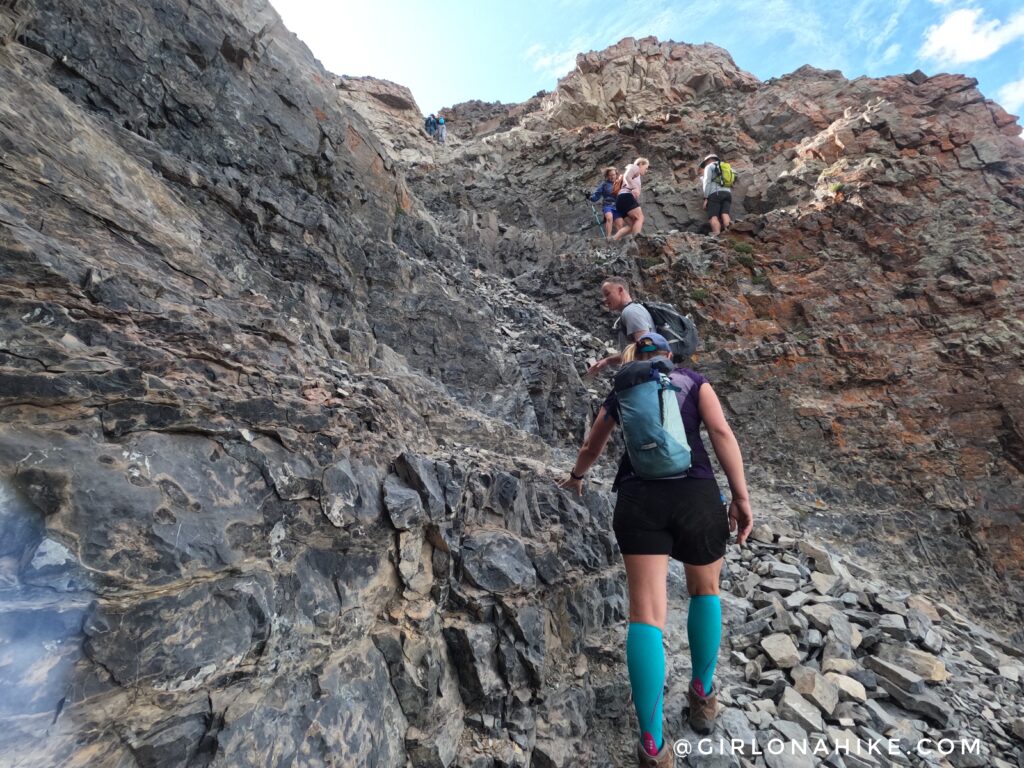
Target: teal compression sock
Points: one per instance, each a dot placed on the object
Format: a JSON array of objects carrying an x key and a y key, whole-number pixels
[
  {"x": 704, "y": 628},
  {"x": 645, "y": 657}
]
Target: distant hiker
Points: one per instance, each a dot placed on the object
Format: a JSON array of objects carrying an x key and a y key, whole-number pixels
[
  {"x": 717, "y": 184},
  {"x": 627, "y": 202},
  {"x": 442, "y": 130},
  {"x": 634, "y": 319},
  {"x": 431, "y": 125},
  {"x": 668, "y": 505},
  {"x": 606, "y": 192}
]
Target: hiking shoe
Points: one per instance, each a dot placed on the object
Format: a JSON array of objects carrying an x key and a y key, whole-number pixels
[
  {"x": 664, "y": 759},
  {"x": 703, "y": 710}
]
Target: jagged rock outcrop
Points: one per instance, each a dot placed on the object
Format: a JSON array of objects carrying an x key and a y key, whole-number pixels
[
  {"x": 283, "y": 386},
  {"x": 196, "y": 435},
  {"x": 641, "y": 77},
  {"x": 478, "y": 118},
  {"x": 390, "y": 112}
]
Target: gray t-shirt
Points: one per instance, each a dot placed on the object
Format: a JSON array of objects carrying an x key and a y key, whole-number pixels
[
  {"x": 634, "y": 318},
  {"x": 710, "y": 186}
]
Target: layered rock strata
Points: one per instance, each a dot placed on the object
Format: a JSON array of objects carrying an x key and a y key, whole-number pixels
[{"x": 283, "y": 387}]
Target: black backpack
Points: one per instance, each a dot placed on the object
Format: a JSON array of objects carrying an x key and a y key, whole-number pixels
[{"x": 678, "y": 329}]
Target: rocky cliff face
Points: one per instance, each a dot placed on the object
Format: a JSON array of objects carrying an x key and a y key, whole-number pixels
[
  {"x": 283, "y": 387},
  {"x": 641, "y": 78},
  {"x": 863, "y": 313}
]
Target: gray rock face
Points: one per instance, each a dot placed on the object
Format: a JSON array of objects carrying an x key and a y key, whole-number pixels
[
  {"x": 404, "y": 506},
  {"x": 282, "y": 388},
  {"x": 198, "y": 539},
  {"x": 341, "y": 497},
  {"x": 497, "y": 562},
  {"x": 347, "y": 710},
  {"x": 474, "y": 651}
]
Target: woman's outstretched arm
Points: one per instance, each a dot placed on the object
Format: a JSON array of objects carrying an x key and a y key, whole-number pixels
[{"x": 592, "y": 448}]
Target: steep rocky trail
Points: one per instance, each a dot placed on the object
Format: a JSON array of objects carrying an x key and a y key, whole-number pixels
[
  {"x": 861, "y": 315},
  {"x": 284, "y": 390}
]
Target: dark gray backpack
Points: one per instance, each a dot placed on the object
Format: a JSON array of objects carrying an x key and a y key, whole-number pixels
[{"x": 678, "y": 329}]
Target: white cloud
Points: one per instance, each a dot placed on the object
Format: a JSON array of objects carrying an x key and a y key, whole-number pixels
[
  {"x": 599, "y": 33},
  {"x": 878, "y": 29},
  {"x": 890, "y": 54},
  {"x": 893, "y": 22},
  {"x": 963, "y": 37},
  {"x": 553, "y": 63},
  {"x": 790, "y": 27},
  {"x": 533, "y": 51},
  {"x": 1011, "y": 97},
  {"x": 645, "y": 18},
  {"x": 662, "y": 26},
  {"x": 557, "y": 64}
]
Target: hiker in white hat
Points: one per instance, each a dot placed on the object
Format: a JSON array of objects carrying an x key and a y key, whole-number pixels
[{"x": 717, "y": 180}]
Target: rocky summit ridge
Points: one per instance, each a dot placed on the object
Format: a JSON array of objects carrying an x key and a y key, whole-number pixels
[{"x": 285, "y": 389}]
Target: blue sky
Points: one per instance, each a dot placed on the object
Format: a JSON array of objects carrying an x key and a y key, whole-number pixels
[{"x": 456, "y": 50}]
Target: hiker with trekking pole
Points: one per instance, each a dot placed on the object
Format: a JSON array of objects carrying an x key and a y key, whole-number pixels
[{"x": 606, "y": 192}]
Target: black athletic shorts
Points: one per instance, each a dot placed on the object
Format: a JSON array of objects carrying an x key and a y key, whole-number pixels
[
  {"x": 683, "y": 518},
  {"x": 625, "y": 202},
  {"x": 719, "y": 203}
]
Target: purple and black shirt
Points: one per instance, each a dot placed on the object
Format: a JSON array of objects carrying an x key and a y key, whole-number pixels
[{"x": 688, "y": 397}]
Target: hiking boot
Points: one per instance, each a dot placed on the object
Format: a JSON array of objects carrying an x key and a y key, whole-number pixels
[
  {"x": 664, "y": 759},
  {"x": 703, "y": 710}
]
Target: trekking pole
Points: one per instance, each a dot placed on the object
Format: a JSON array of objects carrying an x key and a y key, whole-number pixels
[{"x": 597, "y": 219}]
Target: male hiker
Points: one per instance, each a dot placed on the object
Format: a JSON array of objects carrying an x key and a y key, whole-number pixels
[
  {"x": 636, "y": 321},
  {"x": 431, "y": 125},
  {"x": 718, "y": 179}
]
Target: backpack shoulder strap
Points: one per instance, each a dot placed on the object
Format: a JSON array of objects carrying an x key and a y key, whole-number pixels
[{"x": 683, "y": 384}]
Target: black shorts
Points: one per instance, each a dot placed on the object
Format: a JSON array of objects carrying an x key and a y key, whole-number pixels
[
  {"x": 625, "y": 203},
  {"x": 719, "y": 203},
  {"x": 683, "y": 518}
]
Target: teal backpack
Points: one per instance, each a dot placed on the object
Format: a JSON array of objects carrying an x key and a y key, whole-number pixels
[{"x": 651, "y": 423}]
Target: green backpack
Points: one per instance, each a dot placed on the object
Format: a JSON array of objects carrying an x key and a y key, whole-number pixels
[{"x": 724, "y": 175}]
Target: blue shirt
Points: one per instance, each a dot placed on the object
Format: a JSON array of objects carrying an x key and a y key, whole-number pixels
[{"x": 604, "y": 193}]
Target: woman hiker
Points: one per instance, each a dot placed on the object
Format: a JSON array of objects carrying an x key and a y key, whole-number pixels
[
  {"x": 627, "y": 202},
  {"x": 606, "y": 193},
  {"x": 683, "y": 517}
]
